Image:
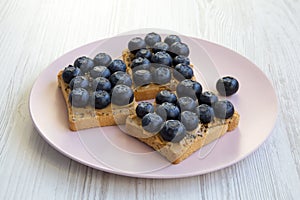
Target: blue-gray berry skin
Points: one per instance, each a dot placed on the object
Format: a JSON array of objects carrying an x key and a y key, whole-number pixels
[
  {"x": 173, "y": 131},
  {"x": 205, "y": 113},
  {"x": 208, "y": 98},
  {"x": 170, "y": 39},
  {"x": 160, "y": 46},
  {"x": 189, "y": 88},
  {"x": 101, "y": 83},
  {"x": 223, "y": 109},
  {"x": 183, "y": 71},
  {"x": 165, "y": 96},
  {"x": 139, "y": 61},
  {"x": 142, "y": 77},
  {"x": 227, "y": 86},
  {"x": 152, "y": 123},
  {"x": 190, "y": 120},
  {"x": 152, "y": 38},
  {"x": 181, "y": 60},
  {"x": 186, "y": 104},
  {"x": 135, "y": 44},
  {"x": 79, "y": 82},
  {"x": 143, "y": 53},
  {"x": 100, "y": 71},
  {"x": 79, "y": 97},
  {"x": 143, "y": 108},
  {"x": 122, "y": 95},
  {"x": 162, "y": 57},
  {"x": 119, "y": 78},
  {"x": 162, "y": 75},
  {"x": 69, "y": 73},
  {"x": 179, "y": 48},
  {"x": 84, "y": 63},
  {"x": 101, "y": 99},
  {"x": 102, "y": 59},
  {"x": 168, "y": 111},
  {"x": 117, "y": 65}
]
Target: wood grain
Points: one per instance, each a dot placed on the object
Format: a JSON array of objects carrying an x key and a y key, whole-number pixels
[{"x": 34, "y": 33}]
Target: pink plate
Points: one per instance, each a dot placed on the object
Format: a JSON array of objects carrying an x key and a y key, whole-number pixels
[{"x": 110, "y": 150}]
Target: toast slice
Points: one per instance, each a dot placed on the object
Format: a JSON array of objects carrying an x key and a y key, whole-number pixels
[
  {"x": 194, "y": 140},
  {"x": 89, "y": 117}
]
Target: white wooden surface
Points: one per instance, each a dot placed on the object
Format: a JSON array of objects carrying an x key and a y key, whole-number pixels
[{"x": 33, "y": 33}]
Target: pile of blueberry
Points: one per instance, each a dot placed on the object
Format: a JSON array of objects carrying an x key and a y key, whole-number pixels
[
  {"x": 174, "y": 115},
  {"x": 95, "y": 81},
  {"x": 153, "y": 59}
]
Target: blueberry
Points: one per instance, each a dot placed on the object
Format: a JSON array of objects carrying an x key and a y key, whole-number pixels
[
  {"x": 205, "y": 113},
  {"x": 122, "y": 95},
  {"x": 139, "y": 61},
  {"x": 170, "y": 39},
  {"x": 152, "y": 123},
  {"x": 120, "y": 77},
  {"x": 100, "y": 71},
  {"x": 181, "y": 60},
  {"x": 223, "y": 109},
  {"x": 183, "y": 71},
  {"x": 102, "y": 59},
  {"x": 189, "y": 88},
  {"x": 186, "y": 103},
  {"x": 101, "y": 99},
  {"x": 117, "y": 65},
  {"x": 165, "y": 96},
  {"x": 173, "y": 131},
  {"x": 136, "y": 44},
  {"x": 143, "y": 108},
  {"x": 69, "y": 73},
  {"x": 179, "y": 48},
  {"x": 152, "y": 38},
  {"x": 144, "y": 53},
  {"x": 161, "y": 75},
  {"x": 208, "y": 98},
  {"x": 79, "y": 97},
  {"x": 142, "y": 77},
  {"x": 79, "y": 82},
  {"x": 160, "y": 46},
  {"x": 101, "y": 83},
  {"x": 227, "y": 86},
  {"x": 162, "y": 57},
  {"x": 84, "y": 63},
  {"x": 168, "y": 111},
  {"x": 190, "y": 120}
]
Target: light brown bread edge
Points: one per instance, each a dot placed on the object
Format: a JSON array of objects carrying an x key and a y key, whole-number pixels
[
  {"x": 88, "y": 117},
  {"x": 176, "y": 152}
]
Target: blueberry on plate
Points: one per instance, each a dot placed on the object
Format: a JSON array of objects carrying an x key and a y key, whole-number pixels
[
  {"x": 139, "y": 61},
  {"x": 79, "y": 82},
  {"x": 165, "y": 96},
  {"x": 84, "y": 63},
  {"x": 79, "y": 97},
  {"x": 179, "y": 48},
  {"x": 208, "y": 98},
  {"x": 69, "y": 73},
  {"x": 152, "y": 123},
  {"x": 101, "y": 83},
  {"x": 183, "y": 71},
  {"x": 100, "y": 71},
  {"x": 205, "y": 113},
  {"x": 181, "y": 60},
  {"x": 122, "y": 95},
  {"x": 173, "y": 131},
  {"x": 120, "y": 77},
  {"x": 189, "y": 88},
  {"x": 168, "y": 111},
  {"x": 142, "y": 77},
  {"x": 102, "y": 59},
  {"x": 101, "y": 99},
  {"x": 152, "y": 38},
  {"x": 160, "y": 46},
  {"x": 170, "y": 39},
  {"x": 136, "y": 44},
  {"x": 143, "y": 108},
  {"x": 162, "y": 57},
  {"x": 223, "y": 109},
  {"x": 186, "y": 104},
  {"x": 117, "y": 65},
  {"x": 190, "y": 120},
  {"x": 227, "y": 86},
  {"x": 161, "y": 75},
  {"x": 144, "y": 53}
]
